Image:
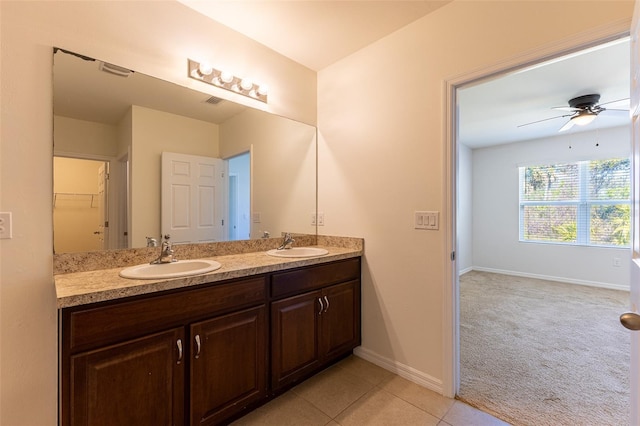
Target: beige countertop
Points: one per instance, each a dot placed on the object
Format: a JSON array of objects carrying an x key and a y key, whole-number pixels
[{"x": 80, "y": 288}]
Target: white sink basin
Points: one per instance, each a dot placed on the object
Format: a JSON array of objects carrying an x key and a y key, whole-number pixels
[
  {"x": 298, "y": 252},
  {"x": 181, "y": 268}
]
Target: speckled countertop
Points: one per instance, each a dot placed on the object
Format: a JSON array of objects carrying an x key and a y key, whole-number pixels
[{"x": 84, "y": 287}]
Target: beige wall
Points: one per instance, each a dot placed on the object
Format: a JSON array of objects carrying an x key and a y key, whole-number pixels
[
  {"x": 154, "y": 132},
  {"x": 381, "y": 121},
  {"x": 283, "y": 169},
  {"x": 151, "y": 37},
  {"x": 84, "y": 137}
]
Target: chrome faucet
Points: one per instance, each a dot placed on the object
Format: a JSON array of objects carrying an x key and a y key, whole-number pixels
[
  {"x": 288, "y": 241},
  {"x": 166, "y": 253}
]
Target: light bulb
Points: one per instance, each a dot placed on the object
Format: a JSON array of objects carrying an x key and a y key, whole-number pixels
[
  {"x": 226, "y": 77},
  {"x": 246, "y": 84},
  {"x": 205, "y": 69},
  {"x": 263, "y": 90}
]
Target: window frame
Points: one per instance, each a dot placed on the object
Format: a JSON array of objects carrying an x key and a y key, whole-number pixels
[{"x": 583, "y": 206}]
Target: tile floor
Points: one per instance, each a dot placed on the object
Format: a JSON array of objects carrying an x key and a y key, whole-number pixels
[{"x": 355, "y": 392}]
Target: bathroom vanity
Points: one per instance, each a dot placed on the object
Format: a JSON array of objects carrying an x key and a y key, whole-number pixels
[{"x": 202, "y": 350}]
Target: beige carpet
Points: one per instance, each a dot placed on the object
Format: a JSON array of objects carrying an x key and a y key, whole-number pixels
[{"x": 536, "y": 352}]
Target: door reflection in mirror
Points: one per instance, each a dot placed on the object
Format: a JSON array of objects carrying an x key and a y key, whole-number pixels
[{"x": 239, "y": 190}]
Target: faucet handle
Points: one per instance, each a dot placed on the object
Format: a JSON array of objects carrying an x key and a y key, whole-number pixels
[{"x": 167, "y": 237}]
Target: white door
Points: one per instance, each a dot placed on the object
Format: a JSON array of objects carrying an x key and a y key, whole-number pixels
[
  {"x": 103, "y": 205},
  {"x": 192, "y": 198},
  {"x": 632, "y": 320}
]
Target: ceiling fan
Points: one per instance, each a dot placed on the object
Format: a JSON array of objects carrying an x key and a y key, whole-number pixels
[{"x": 584, "y": 109}]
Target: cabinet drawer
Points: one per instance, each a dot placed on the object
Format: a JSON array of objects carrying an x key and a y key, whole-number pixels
[
  {"x": 314, "y": 277},
  {"x": 87, "y": 328}
]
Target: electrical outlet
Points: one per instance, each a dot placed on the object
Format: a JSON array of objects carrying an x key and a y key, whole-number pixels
[
  {"x": 313, "y": 219},
  {"x": 256, "y": 217},
  {"x": 320, "y": 219},
  {"x": 616, "y": 262},
  {"x": 5, "y": 225}
]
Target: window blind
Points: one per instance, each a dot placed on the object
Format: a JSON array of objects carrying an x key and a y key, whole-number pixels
[{"x": 585, "y": 202}]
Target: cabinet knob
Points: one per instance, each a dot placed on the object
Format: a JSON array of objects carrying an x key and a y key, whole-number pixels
[
  {"x": 179, "y": 345},
  {"x": 321, "y": 306},
  {"x": 197, "y": 338}
]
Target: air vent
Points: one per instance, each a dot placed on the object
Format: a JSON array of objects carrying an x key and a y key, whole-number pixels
[
  {"x": 114, "y": 69},
  {"x": 213, "y": 100}
]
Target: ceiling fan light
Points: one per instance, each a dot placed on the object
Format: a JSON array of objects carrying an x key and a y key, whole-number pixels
[{"x": 583, "y": 119}]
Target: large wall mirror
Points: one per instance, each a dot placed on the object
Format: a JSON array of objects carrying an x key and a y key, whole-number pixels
[{"x": 136, "y": 157}]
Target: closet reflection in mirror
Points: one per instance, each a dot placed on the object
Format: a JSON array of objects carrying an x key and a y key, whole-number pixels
[{"x": 258, "y": 174}]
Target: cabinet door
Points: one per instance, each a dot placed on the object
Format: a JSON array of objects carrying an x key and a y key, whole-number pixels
[
  {"x": 294, "y": 337},
  {"x": 340, "y": 325},
  {"x": 228, "y": 365},
  {"x": 138, "y": 382}
]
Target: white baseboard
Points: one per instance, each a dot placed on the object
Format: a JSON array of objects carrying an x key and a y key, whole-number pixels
[
  {"x": 401, "y": 370},
  {"x": 464, "y": 271},
  {"x": 551, "y": 278}
]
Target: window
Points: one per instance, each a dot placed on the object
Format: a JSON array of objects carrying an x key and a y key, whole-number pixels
[{"x": 585, "y": 202}]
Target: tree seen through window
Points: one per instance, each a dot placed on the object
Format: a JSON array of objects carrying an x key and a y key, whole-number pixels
[{"x": 585, "y": 202}]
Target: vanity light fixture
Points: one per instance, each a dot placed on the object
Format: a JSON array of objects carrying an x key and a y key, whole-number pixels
[{"x": 206, "y": 73}]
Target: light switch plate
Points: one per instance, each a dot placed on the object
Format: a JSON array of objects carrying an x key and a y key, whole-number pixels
[
  {"x": 5, "y": 225},
  {"x": 427, "y": 220}
]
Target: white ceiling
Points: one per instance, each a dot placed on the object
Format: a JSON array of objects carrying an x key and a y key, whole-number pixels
[
  {"x": 318, "y": 33},
  {"x": 491, "y": 112},
  {"x": 315, "y": 33}
]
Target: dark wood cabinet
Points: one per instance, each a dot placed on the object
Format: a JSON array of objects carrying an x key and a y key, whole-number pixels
[
  {"x": 138, "y": 382},
  {"x": 208, "y": 354},
  {"x": 294, "y": 338},
  {"x": 311, "y": 329},
  {"x": 137, "y": 361},
  {"x": 340, "y": 323},
  {"x": 228, "y": 365}
]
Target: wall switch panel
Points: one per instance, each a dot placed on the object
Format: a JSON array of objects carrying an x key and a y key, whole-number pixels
[
  {"x": 255, "y": 216},
  {"x": 320, "y": 219},
  {"x": 427, "y": 220},
  {"x": 313, "y": 219},
  {"x": 5, "y": 225}
]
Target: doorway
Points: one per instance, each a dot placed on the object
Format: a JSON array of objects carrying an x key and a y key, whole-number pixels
[
  {"x": 454, "y": 181},
  {"x": 80, "y": 205},
  {"x": 239, "y": 169}
]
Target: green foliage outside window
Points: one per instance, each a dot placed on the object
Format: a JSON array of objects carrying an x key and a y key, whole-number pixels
[{"x": 585, "y": 202}]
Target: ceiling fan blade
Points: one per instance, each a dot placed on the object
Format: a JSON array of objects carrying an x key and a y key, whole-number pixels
[
  {"x": 546, "y": 119},
  {"x": 615, "y": 110},
  {"x": 613, "y": 102},
  {"x": 565, "y": 108},
  {"x": 569, "y": 124}
]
